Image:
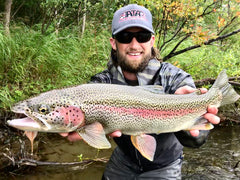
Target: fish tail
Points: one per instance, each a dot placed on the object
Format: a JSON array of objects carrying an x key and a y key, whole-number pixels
[{"x": 229, "y": 95}]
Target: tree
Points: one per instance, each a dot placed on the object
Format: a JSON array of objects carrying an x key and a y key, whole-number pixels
[
  {"x": 8, "y": 4},
  {"x": 199, "y": 22}
]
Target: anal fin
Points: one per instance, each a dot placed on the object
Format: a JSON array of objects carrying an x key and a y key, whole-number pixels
[{"x": 145, "y": 144}]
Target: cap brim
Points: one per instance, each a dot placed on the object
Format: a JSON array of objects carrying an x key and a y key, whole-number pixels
[{"x": 130, "y": 25}]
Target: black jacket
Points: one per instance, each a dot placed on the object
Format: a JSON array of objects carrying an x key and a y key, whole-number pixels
[{"x": 169, "y": 145}]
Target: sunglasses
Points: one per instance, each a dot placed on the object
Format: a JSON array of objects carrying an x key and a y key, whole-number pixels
[{"x": 126, "y": 37}]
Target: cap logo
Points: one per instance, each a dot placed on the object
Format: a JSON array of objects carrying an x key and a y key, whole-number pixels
[{"x": 132, "y": 14}]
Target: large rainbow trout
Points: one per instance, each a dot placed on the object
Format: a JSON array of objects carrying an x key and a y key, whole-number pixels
[{"x": 94, "y": 110}]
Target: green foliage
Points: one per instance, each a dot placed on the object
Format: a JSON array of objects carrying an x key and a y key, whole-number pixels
[
  {"x": 175, "y": 21},
  {"x": 208, "y": 61},
  {"x": 32, "y": 63},
  {"x": 47, "y": 50}
]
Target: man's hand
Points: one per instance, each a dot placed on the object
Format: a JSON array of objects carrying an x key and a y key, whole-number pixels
[
  {"x": 211, "y": 110},
  {"x": 74, "y": 136}
]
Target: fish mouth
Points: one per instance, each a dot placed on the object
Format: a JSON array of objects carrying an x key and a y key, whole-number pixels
[{"x": 25, "y": 123}]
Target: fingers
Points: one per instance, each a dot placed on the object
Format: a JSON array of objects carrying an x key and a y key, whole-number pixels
[
  {"x": 116, "y": 134},
  {"x": 185, "y": 90},
  {"x": 203, "y": 90},
  {"x": 188, "y": 89},
  {"x": 211, "y": 115},
  {"x": 212, "y": 109},
  {"x": 212, "y": 118},
  {"x": 194, "y": 132},
  {"x": 74, "y": 137},
  {"x": 64, "y": 134}
]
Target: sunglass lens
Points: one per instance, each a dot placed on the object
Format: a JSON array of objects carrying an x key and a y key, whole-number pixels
[
  {"x": 126, "y": 37},
  {"x": 143, "y": 37}
]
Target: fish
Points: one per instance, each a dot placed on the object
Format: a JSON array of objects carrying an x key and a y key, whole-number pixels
[{"x": 95, "y": 110}]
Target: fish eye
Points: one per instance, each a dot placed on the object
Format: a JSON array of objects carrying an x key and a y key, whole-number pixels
[{"x": 43, "y": 109}]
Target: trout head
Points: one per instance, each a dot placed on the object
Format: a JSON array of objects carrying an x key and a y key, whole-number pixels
[{"x": 47, "y": 114}]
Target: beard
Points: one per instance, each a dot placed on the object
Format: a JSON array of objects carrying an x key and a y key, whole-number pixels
[{"x": 129, "y": 66}]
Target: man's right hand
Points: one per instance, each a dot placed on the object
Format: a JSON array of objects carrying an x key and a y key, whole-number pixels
[{"x": 74, "y": 136}]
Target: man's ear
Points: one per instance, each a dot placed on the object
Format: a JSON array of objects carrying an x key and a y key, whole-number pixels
[
  {"x": 113, "y": 43},
  {"x": 152, "y": 40}
]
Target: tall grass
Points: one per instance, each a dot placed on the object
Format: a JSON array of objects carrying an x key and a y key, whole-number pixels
[{"x": 31, "y": 63}]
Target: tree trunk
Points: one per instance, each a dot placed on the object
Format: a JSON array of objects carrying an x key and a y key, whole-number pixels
[
  {"x": 8, "y": 4},
  {"x": 84, "y": 17}
]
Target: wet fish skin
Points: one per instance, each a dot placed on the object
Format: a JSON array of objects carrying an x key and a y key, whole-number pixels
[{"x": 94, "y": 110}]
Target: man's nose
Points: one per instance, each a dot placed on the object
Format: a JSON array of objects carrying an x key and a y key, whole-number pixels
[{"x": 134, "y": 42}]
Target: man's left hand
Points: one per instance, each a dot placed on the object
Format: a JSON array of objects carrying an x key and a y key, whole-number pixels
[{"x": 211, "y": 110}]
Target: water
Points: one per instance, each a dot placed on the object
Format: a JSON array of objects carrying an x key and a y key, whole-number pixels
[{"x": 217, "y": 159}]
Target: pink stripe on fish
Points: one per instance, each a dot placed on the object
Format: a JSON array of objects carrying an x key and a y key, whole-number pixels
[{"x": 148, "y": 113}]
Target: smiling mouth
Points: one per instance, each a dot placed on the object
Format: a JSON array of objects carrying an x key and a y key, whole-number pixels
[{"x": 134, "y": 53}]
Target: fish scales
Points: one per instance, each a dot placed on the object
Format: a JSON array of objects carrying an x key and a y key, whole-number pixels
[
  {"x": 95, "y": 102},
  {"x": 117, "y": 106},
  {"x": 94, "y": 110}
]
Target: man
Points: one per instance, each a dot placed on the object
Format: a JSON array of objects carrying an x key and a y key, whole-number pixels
[{"x": 133, "y": 62}]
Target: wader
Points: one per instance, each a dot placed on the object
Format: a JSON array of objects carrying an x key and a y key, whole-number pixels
[{"x": 120, "y": 167}]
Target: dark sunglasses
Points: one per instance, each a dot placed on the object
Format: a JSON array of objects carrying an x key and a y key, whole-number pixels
[{"x": 126, "y": 37}]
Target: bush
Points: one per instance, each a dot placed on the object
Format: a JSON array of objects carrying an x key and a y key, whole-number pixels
[
  {"x": 208, "y": 61},
  {"x": 32, "y": 63}
]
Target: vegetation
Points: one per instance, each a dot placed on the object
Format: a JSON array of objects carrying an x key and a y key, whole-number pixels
[{"x": 50, "y": 44}]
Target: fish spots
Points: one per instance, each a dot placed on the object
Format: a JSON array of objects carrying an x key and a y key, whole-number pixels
[{"x": 68, "y": 116}]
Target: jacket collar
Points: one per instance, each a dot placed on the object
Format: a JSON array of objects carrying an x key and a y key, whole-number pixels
[{"x": 144, "y": 78}]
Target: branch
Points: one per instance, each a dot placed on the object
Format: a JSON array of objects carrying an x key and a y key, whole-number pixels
[
  {"x": 178, "y": 30},
  {"x": 178, "y": 44},
  {"x": 18, "y": 9},
  {"x": 227, "y": 25},
  {"x": 172, "y": 54},
  {"x": 32, "y": 162},
  {"x": 174, "y": 35},
  {"x": 205, "y": 10},
  {"x": 211, "y": 81}
]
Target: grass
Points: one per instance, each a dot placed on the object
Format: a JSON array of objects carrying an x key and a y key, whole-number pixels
[{"x": 31, "y": 63}]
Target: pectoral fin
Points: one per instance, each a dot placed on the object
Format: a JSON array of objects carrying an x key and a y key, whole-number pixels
[
  {"x": 145, "y": 144},
  {"x": 94, "y": 135}
]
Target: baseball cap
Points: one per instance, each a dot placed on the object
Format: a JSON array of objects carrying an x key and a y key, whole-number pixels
[{"x": 132, "y": 15}]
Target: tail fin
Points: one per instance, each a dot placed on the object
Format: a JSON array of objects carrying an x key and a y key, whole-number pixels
[{"x": 229, "y": 94}]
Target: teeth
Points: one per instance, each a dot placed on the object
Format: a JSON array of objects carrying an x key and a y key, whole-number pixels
[{"x": 135, "y": 54}]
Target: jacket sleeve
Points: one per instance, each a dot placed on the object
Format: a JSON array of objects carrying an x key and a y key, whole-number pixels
[
  {"x": 172, "y": 78},
  {"x": 187, "y": 140},
  {"x": 102, "y": 77}
]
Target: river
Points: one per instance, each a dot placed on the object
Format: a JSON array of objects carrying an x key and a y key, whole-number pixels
[{"x": 219, "y": 158}]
